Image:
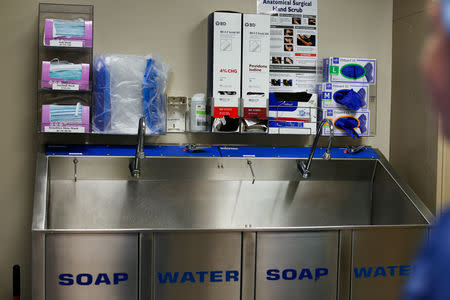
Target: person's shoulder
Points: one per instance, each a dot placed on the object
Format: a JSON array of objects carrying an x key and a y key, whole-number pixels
[
  {"x": 444, "y": 220},
  {"x": 440, "y": 231}
]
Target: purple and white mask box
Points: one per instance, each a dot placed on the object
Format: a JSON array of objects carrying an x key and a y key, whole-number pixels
[
  {"x": 68, "y": 33},
  {"x": 65, "y": 118},
  {"x": 65, "y": 76}
]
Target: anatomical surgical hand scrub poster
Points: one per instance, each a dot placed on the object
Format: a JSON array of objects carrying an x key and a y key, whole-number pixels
[{"x": 293, "y": 44}]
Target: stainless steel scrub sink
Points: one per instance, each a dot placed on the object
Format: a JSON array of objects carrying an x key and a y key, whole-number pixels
[
  {"x": 217, "y": 193},
  {"x": 207, "y": 215}
]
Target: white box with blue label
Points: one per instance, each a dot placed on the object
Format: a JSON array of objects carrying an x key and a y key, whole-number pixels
[
  {"x": 343, "y": 96},
  {"x": 356, "y": 123},
  {"x": 349, "y": 70}
]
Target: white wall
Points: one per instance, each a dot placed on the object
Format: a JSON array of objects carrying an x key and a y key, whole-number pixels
[{"x": 177, "y": 30}]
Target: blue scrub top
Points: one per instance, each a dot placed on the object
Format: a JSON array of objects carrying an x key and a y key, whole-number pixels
[{"x": 431, "y": 277}]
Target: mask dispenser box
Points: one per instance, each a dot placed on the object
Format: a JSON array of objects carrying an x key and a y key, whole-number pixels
[
  {"x": 65, "y": 76},
  {"x": 65, "y": 118},
  {"x": 349, "y": 70},
  {"x": 255, "y": 73},
  {"x": 65, "y": 71},
  {"x": 68, "y": 33},
  {"x": 348, "y": 122},
  {"x": 293, "y": 113},
  {"x": 224, "y": 70}
]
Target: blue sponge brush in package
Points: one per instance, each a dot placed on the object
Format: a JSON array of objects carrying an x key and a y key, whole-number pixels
[{"x": 127, "y": 87}]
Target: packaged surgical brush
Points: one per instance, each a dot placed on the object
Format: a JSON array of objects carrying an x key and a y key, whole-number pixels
[
  {"x": 61, "y": 75},
  {"x": 68, "y": 33},
  {"x": 127, "y": 87},
  {"x": 255, "y": 72},
  {"x": 224, "y": 70}
]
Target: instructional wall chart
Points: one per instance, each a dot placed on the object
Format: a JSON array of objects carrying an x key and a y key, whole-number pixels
[{"x": 293, "y": 45}]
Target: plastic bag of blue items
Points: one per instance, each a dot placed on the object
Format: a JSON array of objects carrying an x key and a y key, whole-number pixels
[{"x": 127, "y": 87}]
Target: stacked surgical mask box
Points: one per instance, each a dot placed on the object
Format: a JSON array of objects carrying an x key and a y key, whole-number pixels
[
  {"x": 224, "y": 70},
  {"x": 293, "y": 113},
  {"x": 255, "y": 72},
  {"x": 345, "y": 95}
]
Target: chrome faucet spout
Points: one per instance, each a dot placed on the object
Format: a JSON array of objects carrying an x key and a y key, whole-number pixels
[
  {"x": 135, "y": 164},
  {"x": 305, "y": 168}
]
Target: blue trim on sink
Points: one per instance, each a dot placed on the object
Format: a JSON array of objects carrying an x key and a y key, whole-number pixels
[
  {"x": 179, "y": 151},
  {"x": 229, "y": 151}
]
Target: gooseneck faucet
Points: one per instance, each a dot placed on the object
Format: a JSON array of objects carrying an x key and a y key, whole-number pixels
[
  {"x": 135, "y": 164},
  {"x": 304, "y": 168}
]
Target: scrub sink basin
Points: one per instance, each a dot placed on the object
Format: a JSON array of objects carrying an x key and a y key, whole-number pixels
[{"x": 200, "y": 228}]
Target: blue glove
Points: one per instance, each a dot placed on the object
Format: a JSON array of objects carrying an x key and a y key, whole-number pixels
[
  {"x": 350, "y": 98},
  {"x": 369, "y": 69},
  {"x": 362, "y": 123},
  {"x": 353, "y": 71},
  {"x": 348, "y": 124}
]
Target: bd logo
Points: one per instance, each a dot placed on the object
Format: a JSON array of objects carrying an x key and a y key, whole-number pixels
[
  {"x": 250, "y": 24},
  {"x": 218, "y": 23}
]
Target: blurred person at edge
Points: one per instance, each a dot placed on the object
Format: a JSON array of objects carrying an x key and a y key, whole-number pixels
[{"x": 430, "y": 279}]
